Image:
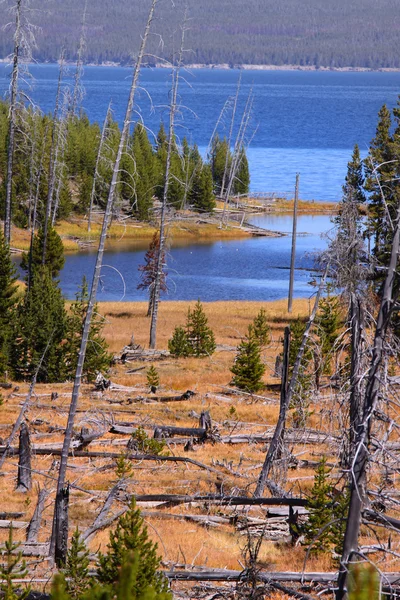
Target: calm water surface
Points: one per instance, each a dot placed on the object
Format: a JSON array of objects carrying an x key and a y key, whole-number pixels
[
  {"x": 248, "y": 269},
  {"x": 305, "y": 122}
]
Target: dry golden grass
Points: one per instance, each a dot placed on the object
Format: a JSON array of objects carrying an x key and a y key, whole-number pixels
[{"x": 234, "y": 467}]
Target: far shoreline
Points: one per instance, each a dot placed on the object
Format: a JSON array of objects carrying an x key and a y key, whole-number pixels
[{"x": 229, "y": 67}]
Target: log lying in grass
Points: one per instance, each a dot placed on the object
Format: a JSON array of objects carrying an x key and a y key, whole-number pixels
[
  {"x": 165, "y": 431},
  {"x": 176, "y": 499}
]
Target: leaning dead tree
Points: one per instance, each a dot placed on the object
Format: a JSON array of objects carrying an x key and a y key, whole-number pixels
[
  {"x": 286, "y": 395},
  {"x": 60, "y": 494},
  {"x": 97, "y": 166},
  {"x": 234, "y": 107},
  {"x": 358, "y": 493},
  {"x": 162, "y": 236}
]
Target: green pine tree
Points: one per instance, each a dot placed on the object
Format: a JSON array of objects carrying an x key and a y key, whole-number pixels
[
  {"x": 328, "y": 322},
  {"x": 248, "y": 368},
  {"x": 200, "y": 337},
  {"x": 54, "y": 253},
  {"x": 8, "y": 302},
  {"x": 242, "y": 176},
  {"x": 179, "y": 345},
  {"x": 40, "y": 330},
  {"x": 12, "y": 567},
  {"x": 317, "y": 529},
  {"x": 77, "y": 567},
  {"x": 153, "y": 379},
  {"x": 261, "y": 329},
  {"x": 130, "y": 538},
  {"x": 97, "y": 358},
  {"x": 300, "y": 398},
  {"x": 219, "y": 151},
  {"x": 201, "y": 194},
  {"x": 363, "y": 582}
]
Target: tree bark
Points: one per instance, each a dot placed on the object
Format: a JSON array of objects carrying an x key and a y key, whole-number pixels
[
  {"x": 61, "y": 526},
  {"x": 24, "y": 478},
  {"x": 34, "y": 525}
]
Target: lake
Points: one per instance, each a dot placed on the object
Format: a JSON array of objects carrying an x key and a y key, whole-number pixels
[
  {"x": 255, "y": 268},
  {"x": 305, "y": 122}
]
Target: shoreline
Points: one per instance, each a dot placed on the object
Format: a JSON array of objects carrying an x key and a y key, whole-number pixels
[
  {"x": 229, "y": 67},
  {"x": 186, "y": 228}
]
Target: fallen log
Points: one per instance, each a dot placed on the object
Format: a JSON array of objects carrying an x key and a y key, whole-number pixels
[
  {"x": 34, "y": 524},
  {"x": 7, "y": 523},
  {"x": 223, "y": 500},
  {"x": 165, "y": 431},
  {"x": 13, "y": 451}
]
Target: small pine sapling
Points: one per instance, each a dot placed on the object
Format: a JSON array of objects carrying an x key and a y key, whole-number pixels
[
  {"x": 178, "y": 345},
  {"x": 153, "y": 379},
  {"x": 143, "y": 444},
  {"x": 130, "y": 538},
  {"x": 261, "y": 329},
  {"x": 363, "y": 582},
  {"x": 318, "y": 527},
  {"x": 248, "y": 368},
  {"x": 77, "y": 567},
  {"x": 12, "y": 566},
  {"x": 200, "y": 336}
]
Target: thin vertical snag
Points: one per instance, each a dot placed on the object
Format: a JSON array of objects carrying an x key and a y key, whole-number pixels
[
  {"x": 278, "y": 437},
  {"x": 98, "y": 158},
  {"x": 12, "y": 122},
  {"x": 96, "y": 274},
  {"x": 161, "y": 247}
]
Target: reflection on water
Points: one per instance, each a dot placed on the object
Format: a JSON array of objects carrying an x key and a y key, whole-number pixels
[{"x": 253, "y": 268}]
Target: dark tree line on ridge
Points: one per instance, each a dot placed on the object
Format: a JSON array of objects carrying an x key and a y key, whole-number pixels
[{"x": 321, "y": 33}]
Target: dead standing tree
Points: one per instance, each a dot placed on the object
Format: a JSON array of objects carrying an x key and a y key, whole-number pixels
[
  {"x": 358, "y": 493},
  {"x": 286, "y": 396},
  {"x": 54, "y": 551},
  {"x": 97, "y": 166},
  {"x": 162, "y": 236}
]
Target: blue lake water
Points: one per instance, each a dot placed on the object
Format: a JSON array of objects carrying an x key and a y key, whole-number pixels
[
  {"x": 248, "y": 269},
  {"x": 305, "y": 122}
]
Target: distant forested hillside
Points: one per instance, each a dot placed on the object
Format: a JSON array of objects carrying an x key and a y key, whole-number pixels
[{"x": 362, "y": 33}]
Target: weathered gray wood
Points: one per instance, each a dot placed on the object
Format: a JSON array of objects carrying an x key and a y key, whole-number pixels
[
  {"x": 223, "y": 500},
  {"x": 61, "y": 526},
  {"x": 24, "y": 478},
  {"x": 101, "y": 517},
  {"x": 7, "y": 523},
  {"x": 165, "y": 431},
  {"x": 278, "y": 433},
  {"x": 293, "y": 253},
  {"x": 35, "y": 522},
  {"x": 363, "y": 434}
]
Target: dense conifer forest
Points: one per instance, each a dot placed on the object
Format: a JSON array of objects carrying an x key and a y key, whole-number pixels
[{"x": 362, "y": 33}]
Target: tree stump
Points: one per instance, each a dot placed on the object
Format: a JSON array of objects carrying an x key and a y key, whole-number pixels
[
  {"x": 24, "y": 479},
  {"x": 61, "y": 526}
]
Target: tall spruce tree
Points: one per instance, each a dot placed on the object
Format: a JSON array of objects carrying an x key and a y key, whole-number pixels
[
  {"x": 201, "y": 193},
  {"x": 54, "y": 260},
  {"x": 8, "y": 301},
  {"x": 148, "y": 271},
  {"x": 242, "y": 177},
  {"x": 40, "y": 324}
]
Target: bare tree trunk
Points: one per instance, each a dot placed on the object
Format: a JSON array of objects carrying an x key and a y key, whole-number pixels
[
  {"x": 97, "y": 271},
  {"x": 98, "y": 158},
  {"x": 24, "y": 479},
  {"x": 278, "y": 438},
  {"x": 280, "y": 426},
  {"x": 34, "y": 525},
  {"x": 293, "y": 255},
  {"x": 362, "y": 441},
  {"x": 55, "y": 141},
  {"x": 171, "y": 142},
  {"x": 12, "y": 122},
  {"x": 230, "y": 137},
  {"x": 79, "y": 64},
  {"x": 356, "y": 399}
]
